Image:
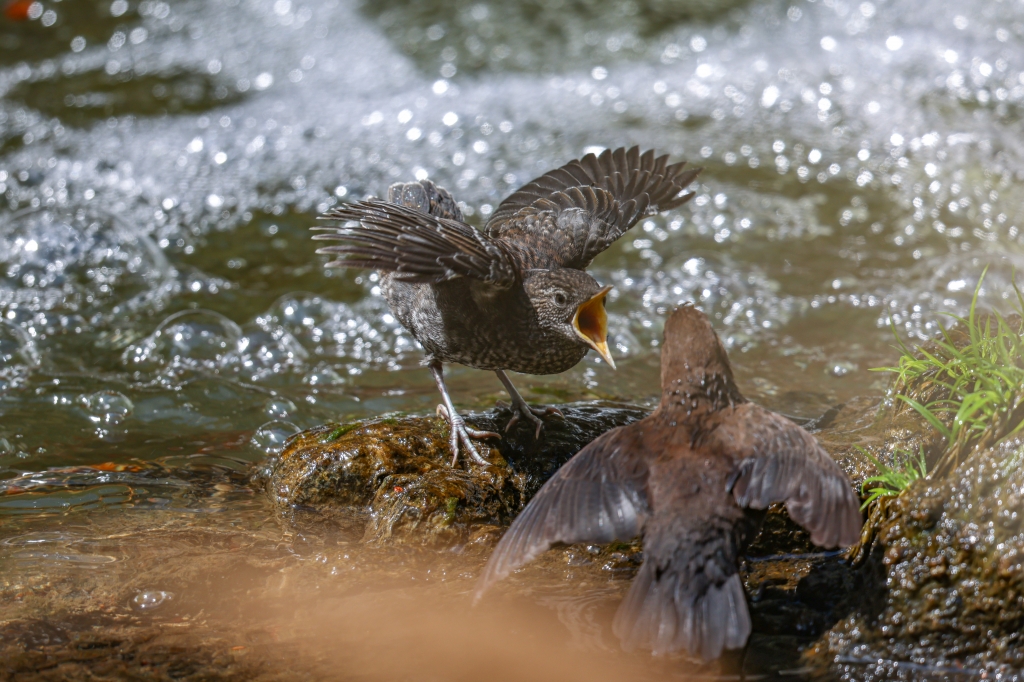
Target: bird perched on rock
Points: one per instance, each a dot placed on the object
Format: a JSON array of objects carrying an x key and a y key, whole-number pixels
[
  {"x": 693, "y": 479},
  {"x": 515, "y": 295}
]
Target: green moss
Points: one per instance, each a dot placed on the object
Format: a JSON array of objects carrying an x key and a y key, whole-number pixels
[
  {"x": 340, "y": 431},
  {"x": 439, "y": 427},
  {"x": 450, "y": 505}
]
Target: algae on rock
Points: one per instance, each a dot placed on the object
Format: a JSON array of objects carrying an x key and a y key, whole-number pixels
[
  {"x": 945, "y": 576},
  {"x": 398, "y": 470}
]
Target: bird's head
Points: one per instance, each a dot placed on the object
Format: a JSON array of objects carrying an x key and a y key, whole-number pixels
[
  {"x": 571, "y": 303},
  {"x": 695, "y": 370}
]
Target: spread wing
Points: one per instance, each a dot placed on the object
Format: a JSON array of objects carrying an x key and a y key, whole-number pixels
[
  {"x": 418, "y": 247},
  {"x": 597, "y": 496},
  {"x": 571, "y": 214},
  {"x": 780, "y": 462}
]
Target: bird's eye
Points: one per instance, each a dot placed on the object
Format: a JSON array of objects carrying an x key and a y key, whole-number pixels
[{"x": 559, "y": 299}]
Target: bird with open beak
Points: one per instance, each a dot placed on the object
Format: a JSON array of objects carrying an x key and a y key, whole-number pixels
[{"x": 514, "y": 296}]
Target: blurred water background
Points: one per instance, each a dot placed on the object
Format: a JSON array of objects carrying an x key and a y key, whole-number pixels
[{"x": 165, "y": 322}]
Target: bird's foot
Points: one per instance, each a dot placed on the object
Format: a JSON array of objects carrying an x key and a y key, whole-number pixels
[
  {"x": 464, "y": 435},
  {"x": 520, "y": 410}
]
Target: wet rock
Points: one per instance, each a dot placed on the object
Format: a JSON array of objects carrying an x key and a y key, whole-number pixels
[
  {"x": 398, "y": 468},
  {"x": 945, "y": 578}
]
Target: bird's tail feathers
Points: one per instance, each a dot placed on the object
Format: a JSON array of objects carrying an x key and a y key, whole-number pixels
[{"x": 665, "y": 613}]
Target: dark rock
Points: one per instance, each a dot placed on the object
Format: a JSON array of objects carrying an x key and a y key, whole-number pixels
[{"x": 399, "y": 469}]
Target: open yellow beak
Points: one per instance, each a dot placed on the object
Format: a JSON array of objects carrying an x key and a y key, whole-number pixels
[{"x": 591, "y": 323}]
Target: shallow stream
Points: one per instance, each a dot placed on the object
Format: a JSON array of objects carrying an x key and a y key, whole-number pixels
[{"x": 166, "y": 324}]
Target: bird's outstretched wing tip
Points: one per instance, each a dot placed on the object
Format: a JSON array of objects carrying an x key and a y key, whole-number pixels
[
  {"x": 587, "y": 500},
  {"x": 786, "y": 464}
]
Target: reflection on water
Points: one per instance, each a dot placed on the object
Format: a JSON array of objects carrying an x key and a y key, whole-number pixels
[{"x": 164, "y": 323}]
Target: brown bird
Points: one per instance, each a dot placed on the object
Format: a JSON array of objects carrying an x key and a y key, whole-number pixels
[
  {"x": 515, "y": 295},
  {"x": 693, "y": 479}
]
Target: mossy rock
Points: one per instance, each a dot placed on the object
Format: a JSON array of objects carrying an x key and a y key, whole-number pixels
[
  {"x": 944, "y": 579},
  {"x": 399, "y": 469}
]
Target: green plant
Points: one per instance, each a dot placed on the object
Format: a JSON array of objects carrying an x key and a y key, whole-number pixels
[
  {"x": 982, "y": 379},
  {"x": 893, "y": 479}
]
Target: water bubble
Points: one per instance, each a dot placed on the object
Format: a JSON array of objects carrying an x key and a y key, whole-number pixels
[
  {"x": 841, "y": 368},
  {"x": 80, "y": 262},
  {"x": 300, "y": 313},
  {"x": 17, "y": 350},
  {"x": 191, "y": 338},
  {"x": 279, "y": 408},
  {"x": 107, "y": 407},
  {"x": 151, "y": 599},
  {"x": 264, "y": 352},
  {"x": 364, "y": 332},
  {"x": 324, "y": 375},
  {"x": 272, "y": 436}
]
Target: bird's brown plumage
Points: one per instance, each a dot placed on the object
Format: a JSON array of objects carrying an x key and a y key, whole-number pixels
[{"x": 693, "y": 479}]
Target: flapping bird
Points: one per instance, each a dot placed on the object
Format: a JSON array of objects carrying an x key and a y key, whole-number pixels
[
  {"x": 693, "y": 480},
  {"x": 515, "y": 295}
]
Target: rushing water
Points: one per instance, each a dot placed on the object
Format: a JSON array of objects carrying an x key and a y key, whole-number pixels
[{"x": 165, "y": 322}]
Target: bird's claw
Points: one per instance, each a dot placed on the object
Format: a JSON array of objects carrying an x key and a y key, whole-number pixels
[
  {"x": 533, "y": 415},
  {"x": 463, "y": 434}
]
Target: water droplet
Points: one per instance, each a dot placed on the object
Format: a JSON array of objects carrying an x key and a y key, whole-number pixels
[
  {"x": 272, "y": 436},
  {"x": 324, "y": 375},
  {"x": 279, "y": 408},
  {"x": 17, "y": 351},
  {"x": 191, "y": 338},
  {"x": 841, "y": 368},
  {"x": 151, "y": 599},
  {"x": 107, "y": 407}
]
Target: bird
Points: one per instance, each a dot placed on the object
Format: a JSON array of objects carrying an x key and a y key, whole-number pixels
[
  {"x": 514, "y": 296},
  {"x": 693, "y": 480}
]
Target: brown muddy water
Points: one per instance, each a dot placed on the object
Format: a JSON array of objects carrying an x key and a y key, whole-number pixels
[{"x": 166, "y": 325}]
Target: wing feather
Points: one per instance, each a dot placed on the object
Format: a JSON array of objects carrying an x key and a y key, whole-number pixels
[
  {"x": 418, "y": 247},
  {"x": 781, "y": 462},
  {"x": 597, "y": 496},
  {"x": 631, "y": 183}
]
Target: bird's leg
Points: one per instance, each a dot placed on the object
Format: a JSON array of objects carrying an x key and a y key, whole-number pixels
[
  {"x": 460, "y": 433},
  {"x": 521, "y": 409}
]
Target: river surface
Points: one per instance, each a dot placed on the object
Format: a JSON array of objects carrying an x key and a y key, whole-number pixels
[{"x": 165, "y": 322}]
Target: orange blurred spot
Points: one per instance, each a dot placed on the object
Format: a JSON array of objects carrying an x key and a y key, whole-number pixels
[
  {"x": 237, "y": 648},
  {"x": 114, "y": 466},
  {"x": 17, "y": 10},
  {"x": 399, "y": 488}
]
